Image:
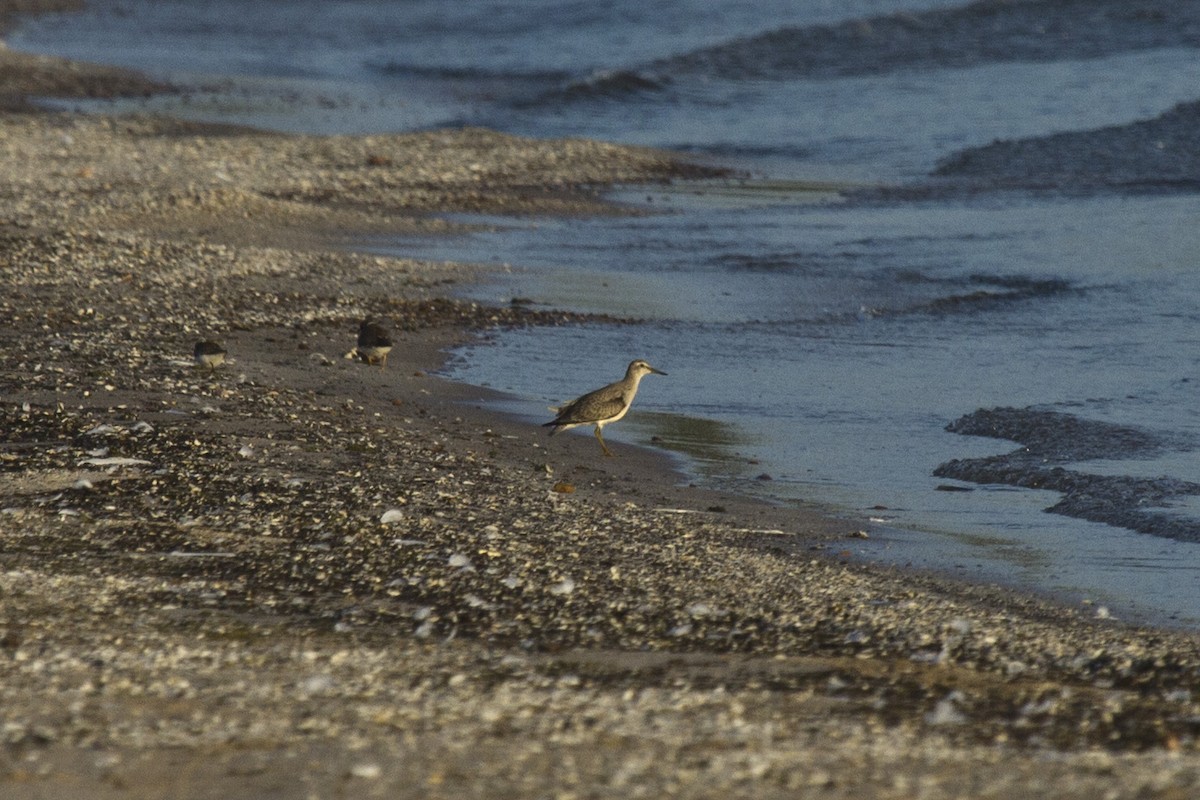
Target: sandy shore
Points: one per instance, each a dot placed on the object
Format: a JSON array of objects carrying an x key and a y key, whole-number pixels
[{"x": 301, "y": 576}]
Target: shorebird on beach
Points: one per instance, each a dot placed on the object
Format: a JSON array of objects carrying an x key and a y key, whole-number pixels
[
  {"x": 602, "y": 406},
  {"x": 208, "y": 353},
  {"x": 374, "y": 342}
]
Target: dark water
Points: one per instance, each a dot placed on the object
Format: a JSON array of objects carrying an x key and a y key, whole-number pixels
[{"x": 959, "y": 292}]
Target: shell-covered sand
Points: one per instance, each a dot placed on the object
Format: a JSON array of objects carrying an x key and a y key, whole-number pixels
[{"x": 303, "y": 576}]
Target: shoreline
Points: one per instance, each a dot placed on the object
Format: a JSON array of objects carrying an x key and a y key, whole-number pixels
[{"x": 232, "y": 614}]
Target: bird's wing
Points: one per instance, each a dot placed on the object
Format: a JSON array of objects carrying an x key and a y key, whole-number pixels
[
  {"x": 600, "y": 404},
  {"x": 564, "y": 412},
  {"x": 372, "y": 339},
  {"x": 603, "y": 409}
]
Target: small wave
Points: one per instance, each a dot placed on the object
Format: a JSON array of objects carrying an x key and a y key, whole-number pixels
[
  {"x": 929, "y": 238},
  {"x": 786, "y": 150},
  {"x": 772, "y": 262},
  {"x": 1162, "y": 153},
  {"x": 1051, "y": 439},
  {"x": 404, "y": 69},
  {"x": 994, "y": 292},
  {"x": 1006, "y": 289},
  {"x": 615, "y": 83},
  {"x": 973, "y": 302},
  {"x": 977, "y": 33}
]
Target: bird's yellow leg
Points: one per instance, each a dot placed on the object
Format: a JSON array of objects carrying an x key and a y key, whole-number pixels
[{"x": 603, "y": 446}]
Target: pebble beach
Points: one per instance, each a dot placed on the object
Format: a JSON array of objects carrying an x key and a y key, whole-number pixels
[{"x": 300, "y": 575}]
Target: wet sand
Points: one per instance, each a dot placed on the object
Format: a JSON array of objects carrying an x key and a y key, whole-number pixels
[{"x": 300, "y": 575}]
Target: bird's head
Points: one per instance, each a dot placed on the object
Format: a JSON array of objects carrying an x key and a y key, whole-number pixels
[{"x": 639, "y": 368}]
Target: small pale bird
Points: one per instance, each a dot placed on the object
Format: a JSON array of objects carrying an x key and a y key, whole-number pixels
[
  {"x": 374, "y": 342},
  {"x": 602, "y": 406},
  {"x": 208, "y": 354}
]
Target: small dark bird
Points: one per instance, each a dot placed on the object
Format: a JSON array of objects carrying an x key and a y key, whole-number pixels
[
  {"x": 602, "y": 406},
  {"x": 208, "y": 353},
  {"x": 374, "y": 342}
]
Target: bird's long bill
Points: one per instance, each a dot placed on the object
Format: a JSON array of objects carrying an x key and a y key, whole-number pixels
[{"x": 656, "y": 371}]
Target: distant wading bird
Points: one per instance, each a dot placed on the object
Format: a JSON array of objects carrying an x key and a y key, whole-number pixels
[
  {"x": 602, "y": 406},
  {"x": 374, "y": 342},
  {"x": 208, "y": 354}
]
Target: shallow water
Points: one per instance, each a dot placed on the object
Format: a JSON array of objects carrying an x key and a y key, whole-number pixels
[
  {"x": 835, "y": 369},
  {"x": 950, "y": 207}
]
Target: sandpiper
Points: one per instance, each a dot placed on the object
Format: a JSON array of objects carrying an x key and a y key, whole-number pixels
[
  {"x": 374, "y": 342},
  {"x": 208, "y": 353},
  {"x": 604, "y": 405}
]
